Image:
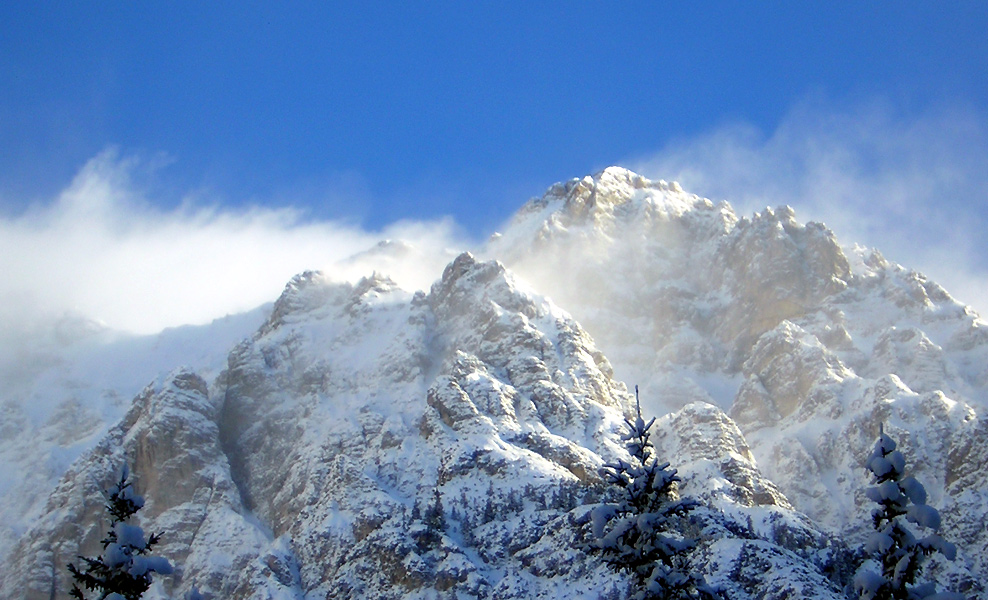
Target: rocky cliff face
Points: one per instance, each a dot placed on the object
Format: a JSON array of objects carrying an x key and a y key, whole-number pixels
[
  {"x": 369, "y": 442},
  {"x": 315, "y": 465},
  {"x": 806, "y": 344},
  {"x": 171, "y": 439},
  {"x": 78, "y": 387}
]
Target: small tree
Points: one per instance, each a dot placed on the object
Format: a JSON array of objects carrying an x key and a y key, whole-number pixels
[
  {"x": 434, "y": 519},
  {"x": 637, "y": 534},
  {"x": 123, "y": 570},
  {"x": 893, "y": 545}
]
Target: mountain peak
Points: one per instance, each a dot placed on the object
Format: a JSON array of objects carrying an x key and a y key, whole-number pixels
[
  {"x": 615, "y": 175},
  {"x": 310, "y": 464},
  {"x": 605, "y": 203}
]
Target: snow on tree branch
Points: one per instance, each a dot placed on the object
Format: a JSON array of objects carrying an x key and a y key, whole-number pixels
[
  {"x": 638, "y": 534},
  {"x": 124, "y": 569},
  {"x": 893, "y": 545}
]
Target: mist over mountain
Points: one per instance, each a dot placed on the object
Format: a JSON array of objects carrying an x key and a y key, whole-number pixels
[
  {"x": 291, "y": 452},
  {"x": 807, "y": 344}
]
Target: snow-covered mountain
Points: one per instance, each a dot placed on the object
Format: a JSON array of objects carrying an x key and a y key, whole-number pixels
[
  {"x": 67, "y": 386},
  {"x": 806, "y": 344},
  {"x": 303, "y": 461}
]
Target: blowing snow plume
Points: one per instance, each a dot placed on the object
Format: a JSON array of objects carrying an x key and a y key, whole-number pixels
[
  {"x": 102, "y": 257},
  {"x": 676, "y": 289},
  {"x": 90, "y": 275},
  {"x": 631, "y": 259},
  {"x": 103, "y": 251},
  {"x": 905, "y": 184}
]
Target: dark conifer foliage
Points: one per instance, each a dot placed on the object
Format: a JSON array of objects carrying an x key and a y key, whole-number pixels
[
  {"x": 897, "y": 550},
  {"x": 639, "y": 534},
  {"x": 123, "y": 570}
]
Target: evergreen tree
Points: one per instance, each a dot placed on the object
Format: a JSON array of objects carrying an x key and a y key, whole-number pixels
[
  {"x": 429, "y": 525},
  {"x": 489, "y": 513},
  {"x": 435, "y": 515},
  {"x": 123, "y": 570},
  {"x": 894, "y": 546},
  {"x": 637, "y": 534}
]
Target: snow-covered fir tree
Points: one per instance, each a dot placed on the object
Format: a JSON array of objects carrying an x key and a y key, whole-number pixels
[
  {"x": 124, "y": 569},
  {"x": 638, "y": 533},
  {"x": 899, "y": 554}
]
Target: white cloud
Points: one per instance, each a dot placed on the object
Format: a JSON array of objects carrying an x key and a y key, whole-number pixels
[
  {"x": 103, "y": 251},
  {"x": 915, "y": 187}
]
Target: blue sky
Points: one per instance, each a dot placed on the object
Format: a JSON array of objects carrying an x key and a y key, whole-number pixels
[{"x": 212, "y": 118}]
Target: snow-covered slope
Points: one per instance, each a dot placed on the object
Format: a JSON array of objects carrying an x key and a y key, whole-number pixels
[
  {"x": 309, "y": 467},
  {"x": 366, "y": 441},
  {"x": 68, "y": 386},
  {"x": 807, "y": 344}
]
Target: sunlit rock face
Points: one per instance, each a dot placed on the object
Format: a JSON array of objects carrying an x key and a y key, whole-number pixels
[
  {"x": 807, "y": 344},
  {"x": 170, "y": 439},
  {"x": 71, "y": 386},
  {"x": 311, "y": 466},
  {"x": 663, "y": 278},
  {"x": 370, "y": 442}
]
